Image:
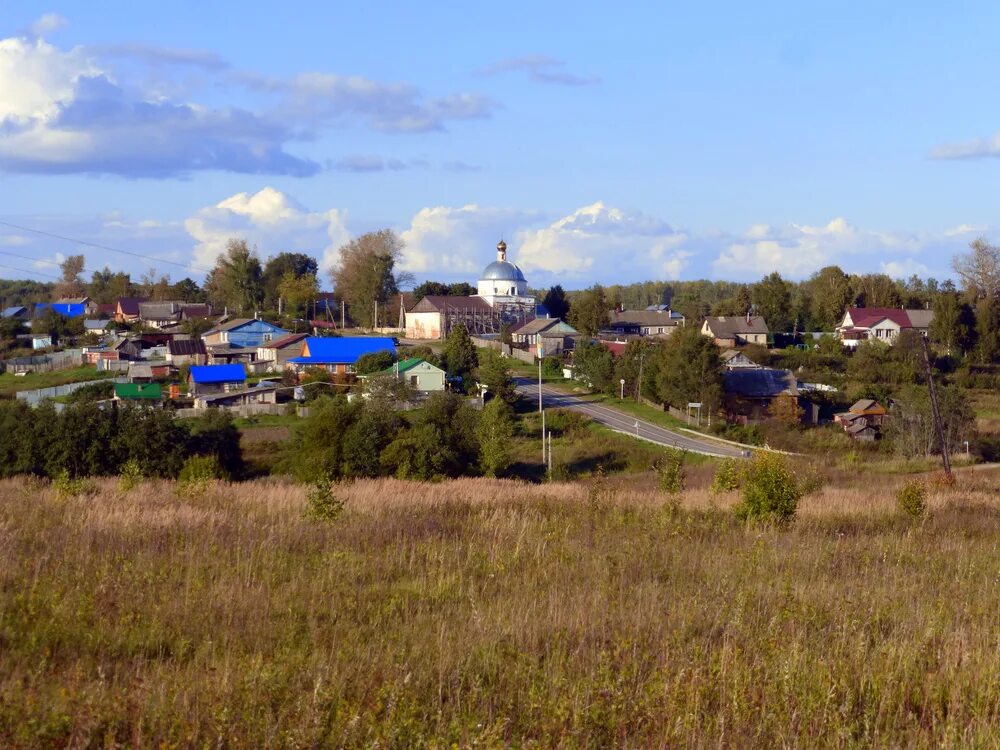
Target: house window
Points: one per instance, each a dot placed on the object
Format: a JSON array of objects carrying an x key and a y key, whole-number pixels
[
  {"x": 349, "y": 369},
  {"x": 414, "y": 380},
  {"x": 268, "y": 337}
]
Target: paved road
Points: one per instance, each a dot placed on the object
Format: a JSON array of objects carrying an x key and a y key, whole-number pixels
[{"x": 618, "y": 420}]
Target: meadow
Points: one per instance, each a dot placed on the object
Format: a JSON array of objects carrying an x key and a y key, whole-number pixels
[{"x": 495, "y": 613}]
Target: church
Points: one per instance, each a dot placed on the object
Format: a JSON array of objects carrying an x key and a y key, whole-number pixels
[{"x": 502, "y": 299}]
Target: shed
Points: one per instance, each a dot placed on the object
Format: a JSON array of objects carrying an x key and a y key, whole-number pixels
[
  {"x": 138, "y": 392},
  {"x": 209, "y": 379}
]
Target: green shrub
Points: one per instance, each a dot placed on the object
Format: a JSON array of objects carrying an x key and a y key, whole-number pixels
[
  {"x": 198, "y": 473},
  {"x": 912, "y": 498},
  {"x": 130, "y": 476},
  {"x": 321, "y": 503},
  {"x": 771, "y": 491},
  {"x": 670, "y": 472},
  {"x": 66, "y": 486},
  {"x": 552, "y": 367},
  {"x": 727, "y": 476}
]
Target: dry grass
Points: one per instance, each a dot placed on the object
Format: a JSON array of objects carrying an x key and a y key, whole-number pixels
[{"x": 496, "y": 613}]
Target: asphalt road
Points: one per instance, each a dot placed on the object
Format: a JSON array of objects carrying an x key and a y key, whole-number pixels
[{"x": 618, "y": 420}]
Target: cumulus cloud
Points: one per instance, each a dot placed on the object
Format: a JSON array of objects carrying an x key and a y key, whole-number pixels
[
  {"x": 456, "y": 241},
  {"x": 271, "y": 220},
  {"x": 46, "y": 24},
  {"x": 977, "y": 148},
  {"x": 540, "y": 69},
  {"x": 797, "y": 250},
  {"x": 605, "y": 243},
  {"x": 73, "y": 111}
]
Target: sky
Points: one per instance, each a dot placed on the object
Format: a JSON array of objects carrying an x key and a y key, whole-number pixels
[{"x": 606, "y": 144}]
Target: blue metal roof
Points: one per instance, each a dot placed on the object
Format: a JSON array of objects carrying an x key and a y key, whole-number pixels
[
  {"x": 218, "y": 373},
  {"x": 66, "y": 309},
  {"x": 342, "y": 351},
  {"x": 10, "y": 312}
]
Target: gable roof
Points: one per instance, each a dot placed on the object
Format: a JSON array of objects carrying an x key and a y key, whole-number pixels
[
  {"x": 535, "y": 325},
  {"x": 736, "y": 325},
  {"x": 10, "y": 312},
  {"x": 185, "y": 347},
  {"x": 218, "y": 373},
  {"x": 407, "y": 364},
  {"x": 96, "y": 325},
  {"x": 760, "y": 383},
  {"x": 867, "y": 405},
  {"x": 442, "y": 302},
  {"x": 157, "y": 310},
  {"x": 138, "y": 390},
  {"x": 320, "y": 350},
  {"x": 285, "y": 341},
  {"x": 129, "y": 305},
  {"x": 66, "y": 309},
  {"x": 866, "y": 317},
  {"x": 232, "y": 325}
]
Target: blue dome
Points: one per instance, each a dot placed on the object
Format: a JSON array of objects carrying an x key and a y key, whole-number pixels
[{"x": 502, "y": 270}]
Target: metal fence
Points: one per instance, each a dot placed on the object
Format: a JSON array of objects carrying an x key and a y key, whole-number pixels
[{"x": 37, "y": 396}]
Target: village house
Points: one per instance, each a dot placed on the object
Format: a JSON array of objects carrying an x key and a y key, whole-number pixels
[
  {"x": 277, "y": 352},
  {"x": 733, "y": 359},
  {"x": 263, "y": 393},
  {"x": 750, "y": 393},
  {"x": 127, "y": 309},
  {"x": 881, "y": 324},
  {"x": 547, "y": 335},
  {"x": 182, "y": 352},
  {"x": 418, "y": 373},
  {"x": 210, "y": 379},
  {"x": 66, "y": 309},
  {"x": 656, "y": 322},
  {"x": 21, "y": 312},
  {"x": 736, "y": 330},
  {"x": 164, "y": 314},
  {"x": 243, "y": 333},
  {"x": 97, "y": 327},
  {"x": 429, "y": 318},
  {"x": 864, "y": 420},
  {"x": 338, "y": 355}
]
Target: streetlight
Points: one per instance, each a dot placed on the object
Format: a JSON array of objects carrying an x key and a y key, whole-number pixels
[{"x": 622, "y": 381}]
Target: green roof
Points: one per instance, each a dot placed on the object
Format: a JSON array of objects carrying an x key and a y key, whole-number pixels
[
  {"x": 138, "y": 390},
  {"x": 402, "y": 366}
]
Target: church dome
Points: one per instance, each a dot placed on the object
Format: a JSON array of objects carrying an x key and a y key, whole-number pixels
[{"x": 502, "y": 270}]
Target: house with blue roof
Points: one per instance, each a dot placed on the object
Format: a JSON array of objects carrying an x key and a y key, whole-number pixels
[
  {"x": 17, "y": 311},
  {"x": 243, "y": 333},
  {"x": 66, "y": 309},
  {"x": 339, "y": 354},
  {"x": 209, "y": 379}
]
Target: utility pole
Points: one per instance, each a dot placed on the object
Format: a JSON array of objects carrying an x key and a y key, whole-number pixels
[
  {"x": 936, "y": 410},
  {"x": 550, "y": 454},
  {"x": 342, "y": 314},
  {"x": 638, "y": 382},
  {"x": 541, "y": 411}
]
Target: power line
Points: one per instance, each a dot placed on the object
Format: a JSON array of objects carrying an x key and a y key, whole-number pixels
[
  {"x": 99, "y": 246},
  {"x": 35, "y": 272}
]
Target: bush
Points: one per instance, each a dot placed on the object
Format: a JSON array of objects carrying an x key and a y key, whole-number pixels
[
  {"x": 198, "y": 473},
  {"x": 130, "y": 476},
  {"x": 727, "y": 476},
  {"x": 66, "y": 486},
  {"x": 552, "y": 367},
  {"x": 912, "y": 498},
  {"x": 771, "y": 491},
  {"x": 321, "y": 503},
  {"x": 670, "y": 472}
]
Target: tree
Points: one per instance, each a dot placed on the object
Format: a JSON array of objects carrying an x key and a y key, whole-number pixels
[
  {"x": 319, "y": 444},
  {"x": 155, "y": 286},
  {"x": 374, "y": 362},
  {"x": 953, "y": 323},
  {"x": 690, "y": 370},
  {"x": 829, "y": 291},
  {"x": 588, "y": 312},
  {"x": 187, "y": 290},
  {"x": 365, "y": 276},
  {"x": 772, "y": 299},
  {"x": 594, "y": 365},
  {"x": 442, "y": 442},
  {"x": 876, "y": 290},
  {"x": 296, "y": 291},
  {"x": 106, "y": 286},
  {"x": 911, "y": 423},
  {"x": 988, "y": 329},
  {"x": 979, "y": 269},
  {"x": 459, "y": 357},
  {"x": 494, "y": 373},
  {"x": 235, "y": 281},
  {"x": 277, "y": 269},
  {"x": 556, "y": 303},
  {"x": 495, "y": 432},
  {"x": 70, "y": 285},
  {"x": 635, "y": 362}
]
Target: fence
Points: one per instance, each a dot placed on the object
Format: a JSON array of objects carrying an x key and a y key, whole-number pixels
[
  {"x": 37, "y": 396},
  {"x": 44, "y": 362},
  {"x": 112, "y": 365},
  {"x": 505, "y": 349},
  {"x": 246, "y": 410}
]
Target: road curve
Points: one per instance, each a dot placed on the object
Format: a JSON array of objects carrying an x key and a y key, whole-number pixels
[{"x": 553, "y": 398}]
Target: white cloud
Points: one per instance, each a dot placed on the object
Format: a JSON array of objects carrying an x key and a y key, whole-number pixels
[
  {"x": 977, "y": 148},
  {"x": 965, "y": 229},
  {"x": 797, "y": 250},
  {"x": 605, "y": 244},
  {"x": 901, "y": 269},
  {"x": 446, "y": 241},
  {"x": 271, "y": 220},
  {"x": 540, "y": 69},
  {"x": 46, "y": 24}
]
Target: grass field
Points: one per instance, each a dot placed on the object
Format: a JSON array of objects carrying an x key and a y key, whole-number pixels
[
  {"x": 10, "y": 384},
  {"x": 491, "y": 613}
]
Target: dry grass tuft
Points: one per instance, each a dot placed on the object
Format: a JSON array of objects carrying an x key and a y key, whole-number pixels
[{"x": 493, "y": 613}]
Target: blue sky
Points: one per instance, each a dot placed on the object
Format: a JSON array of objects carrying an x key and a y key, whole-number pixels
[{"x": 606, "y": 144}]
